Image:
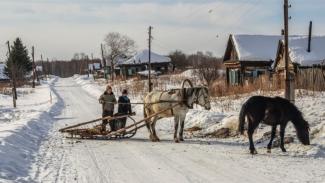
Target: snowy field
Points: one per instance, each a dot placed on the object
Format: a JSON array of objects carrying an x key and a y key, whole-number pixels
[{"x": 32, "y": 149}]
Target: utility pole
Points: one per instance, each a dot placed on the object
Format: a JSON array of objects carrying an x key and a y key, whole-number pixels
[
  {"x": 87, "y": 62},
  {"x": 13, "y": 75},
  {"x": 149, "y": 63},
  {"x": 104, "y": 60},
  {"x": 48, "y": 67},
  {"x": 288, "y": 86},
  {"x": 34, "y": 67},
  {"x": 43, "y": 71}
]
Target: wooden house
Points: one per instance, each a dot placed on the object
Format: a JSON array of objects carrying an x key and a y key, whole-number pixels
[
  {"x": 139, "y": 63},
  {"x": 306, "y": 62},
  {"x": 303, "y": 53},
  {"x": 249, "y": 56}
]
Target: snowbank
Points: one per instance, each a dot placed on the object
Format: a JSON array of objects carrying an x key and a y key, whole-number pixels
[{"x": 23, "y": 129}]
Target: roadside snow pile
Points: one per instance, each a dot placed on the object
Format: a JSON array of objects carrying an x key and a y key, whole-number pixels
[
  {"x": 202, "y": 118},
  {"x": 313, "y": 108},
  {"x": 22, "y": 130}
]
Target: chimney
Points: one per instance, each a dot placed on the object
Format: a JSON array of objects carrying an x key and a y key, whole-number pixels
[{"x": 309, "y": 35}]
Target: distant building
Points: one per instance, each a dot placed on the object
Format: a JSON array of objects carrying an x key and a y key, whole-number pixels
[
  {"x": 248, "y": 56},
  {"x": 139, "y": 62},
  {"x": 3, "y": 77},
  {"x": 94, "y": 67}
]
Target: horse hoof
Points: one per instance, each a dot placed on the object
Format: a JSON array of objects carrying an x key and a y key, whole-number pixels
[
  {"x": 156, "y": 139},
  {"x": 181, "y": 139},
  {"x": 268, "y": 151},
  {"x": 176, "y": 140},
  {"x": 253, "y": 152},
  {"x": 284, "y": 150}
]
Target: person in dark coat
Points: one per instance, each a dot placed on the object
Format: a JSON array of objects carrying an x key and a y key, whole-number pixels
[
  {"x": 108, "y": 100},
  {"x": 124, "y": 106}
]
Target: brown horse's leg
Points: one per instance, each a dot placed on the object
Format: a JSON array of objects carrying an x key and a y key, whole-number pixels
[
  {"x": 251, "y": 127},
  {"x": 176, "y": 120},
  {"x": 269, "y": 146},
  {"x": 282, "y": 130}
]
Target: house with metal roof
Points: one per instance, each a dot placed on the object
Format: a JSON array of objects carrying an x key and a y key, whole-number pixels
[{"x": 248, "y": 56}]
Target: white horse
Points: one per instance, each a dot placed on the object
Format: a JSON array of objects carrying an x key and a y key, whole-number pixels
[{"x": 160, "y": 100}]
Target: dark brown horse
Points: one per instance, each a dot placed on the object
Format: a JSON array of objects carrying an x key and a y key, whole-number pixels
[{"x": 273, "y": 112}]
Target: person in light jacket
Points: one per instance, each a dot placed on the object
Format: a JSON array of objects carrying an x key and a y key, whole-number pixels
[{"x": 108, "y": 100}]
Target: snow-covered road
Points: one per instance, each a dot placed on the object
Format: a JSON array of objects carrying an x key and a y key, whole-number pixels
[{"x": 138, "y": 160}]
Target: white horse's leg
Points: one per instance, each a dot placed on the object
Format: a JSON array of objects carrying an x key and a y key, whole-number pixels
[
  {"x": 149, "y": 129},
  {"x": 147, "y": 113},
  {"x": 176, "y": 120},
  {"x": 182, "y": 119},
  {"x": 153, "y": 128}
]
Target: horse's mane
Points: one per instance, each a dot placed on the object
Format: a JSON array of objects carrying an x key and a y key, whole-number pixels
[
  {"x": 295, "y": 114},
  {"x": 194, "y": 90}
]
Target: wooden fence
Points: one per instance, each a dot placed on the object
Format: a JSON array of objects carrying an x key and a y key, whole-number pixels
[{"x": 311, "y": 78}]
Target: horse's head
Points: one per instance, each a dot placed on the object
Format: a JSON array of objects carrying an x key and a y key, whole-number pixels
[
  {"x": 303, "y": 132},
  {"x": 203, "y": 98}
]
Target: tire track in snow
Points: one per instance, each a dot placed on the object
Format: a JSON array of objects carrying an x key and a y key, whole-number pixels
[{"x": 95, "y": 161}]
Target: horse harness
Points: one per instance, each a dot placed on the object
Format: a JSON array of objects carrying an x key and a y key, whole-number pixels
[{"x": 184, "y": 100}]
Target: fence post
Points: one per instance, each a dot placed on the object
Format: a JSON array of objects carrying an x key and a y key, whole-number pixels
[
  {"x": 14, "y": 97},
  {"x": 50, "y": 97}
]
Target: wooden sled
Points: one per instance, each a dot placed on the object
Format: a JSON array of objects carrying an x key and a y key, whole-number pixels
[{"x": 93, "y": 129}]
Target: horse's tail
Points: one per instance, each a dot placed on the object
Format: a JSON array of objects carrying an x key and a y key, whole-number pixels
[{"x": 242, "y": 115}]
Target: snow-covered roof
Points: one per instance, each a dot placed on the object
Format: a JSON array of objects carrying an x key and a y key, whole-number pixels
[
  {"x": 143, "y": 57},
  {"x": 298, "y": 46},
  {"x": 256, "y": 47},
  {"x": 2, "y": 70}
]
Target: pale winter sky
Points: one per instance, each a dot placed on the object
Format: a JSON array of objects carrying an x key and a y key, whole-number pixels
[{"x": 60, "y": 28}]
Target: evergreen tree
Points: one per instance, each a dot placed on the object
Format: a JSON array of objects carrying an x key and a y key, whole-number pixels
[{"x": 18, "y": 61}]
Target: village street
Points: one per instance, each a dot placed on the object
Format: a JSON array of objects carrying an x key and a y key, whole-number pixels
[{"x": 60, "y": 159}]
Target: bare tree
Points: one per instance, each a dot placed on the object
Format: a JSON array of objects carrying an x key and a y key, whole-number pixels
[
  {"x": 179, "y": 59},
  {"x": 207, "y": 67},
  {"x": 117, "y": 45}
]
